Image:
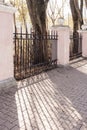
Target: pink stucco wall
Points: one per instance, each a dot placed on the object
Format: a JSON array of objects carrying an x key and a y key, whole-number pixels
[
  {"x": 6, "y": 45},
  {"x": 62, "y": 44},
  {"x": 84, "y": 43}
]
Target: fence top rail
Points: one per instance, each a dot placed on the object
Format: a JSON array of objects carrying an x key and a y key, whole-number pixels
[
  {"x": 76, "y": 37},
  {"x": 35, "y": 36}
]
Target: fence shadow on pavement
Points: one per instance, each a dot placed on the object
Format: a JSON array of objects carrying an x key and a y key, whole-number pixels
[{"x": 53, "y": 100}]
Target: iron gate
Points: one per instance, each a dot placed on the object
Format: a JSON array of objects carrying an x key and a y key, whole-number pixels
[
  {"x": 75, "y": 46},
  {"x": 33, "y": 54}
]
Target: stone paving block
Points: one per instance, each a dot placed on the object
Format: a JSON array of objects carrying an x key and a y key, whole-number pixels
[
  {"x": 15, "y": 128},
  {"x": 9, "y": 125},
  {"x": 83, "y": 128},
  {"x": 3, "y": 128},
  {"x": 1, "y": 121}
]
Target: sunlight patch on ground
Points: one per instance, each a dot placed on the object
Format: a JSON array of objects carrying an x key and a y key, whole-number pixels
[
  {"x": 42, "y": 106},
  {"x": 80, "y": 64}
]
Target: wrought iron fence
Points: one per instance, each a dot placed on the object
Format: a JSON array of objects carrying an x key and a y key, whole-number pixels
[
  {"x": 33, "y": 53},
  {"x": 75, "y": 46}
]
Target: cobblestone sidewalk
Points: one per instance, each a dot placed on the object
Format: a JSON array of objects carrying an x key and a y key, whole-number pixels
[{"x": 56, "y": 100}]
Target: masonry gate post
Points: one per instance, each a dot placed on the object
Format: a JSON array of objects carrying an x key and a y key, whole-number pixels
[
  {"x": 6, "y": 46},
  {"x": 63, "y": 43},
  {"x": 84, "y": 43}
]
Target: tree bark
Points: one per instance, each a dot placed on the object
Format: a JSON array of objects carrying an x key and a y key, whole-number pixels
[
  {"x": 37, "y": 12},
  {"x": 81, "y": 12},
  {"x": 74, "y": 16},
  {"x": 76, "y": 24},
  {"x": 77, "y": 14},
  {"x": 86, "y": 3}
]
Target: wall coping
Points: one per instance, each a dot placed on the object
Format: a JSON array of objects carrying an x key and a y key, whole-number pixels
[
  {"x": 7, "y": 9},
  {"x": 61, "y": 28},
  {"x": 82, "y": 31}
]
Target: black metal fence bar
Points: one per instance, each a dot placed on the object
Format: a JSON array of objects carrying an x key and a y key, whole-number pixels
[
  {"x": 33, "y": 53},
  {"x": 75, "y": 46}
]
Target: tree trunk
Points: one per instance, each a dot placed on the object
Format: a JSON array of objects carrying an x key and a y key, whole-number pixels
[
  {"x": 77, "y": 15},
  {"x": 37, "y": 12},
  {"x": 81, "y": 12},
  {"x": 86, "y": 3},
  {"x": 74, "y": 16},
  {"x": 75, "y": 25}
]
